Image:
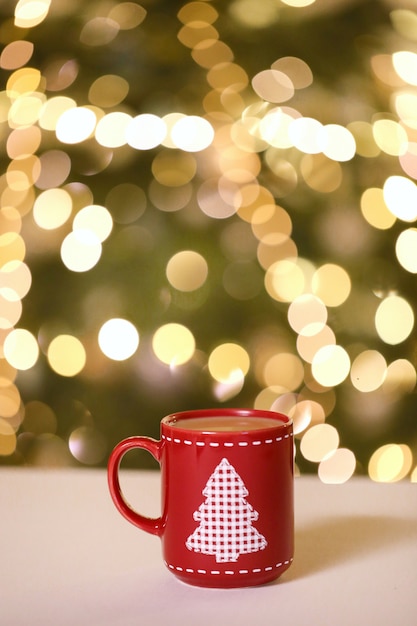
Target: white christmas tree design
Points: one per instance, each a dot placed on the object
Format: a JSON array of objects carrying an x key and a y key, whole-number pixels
[{"x": 225, "y": 529}]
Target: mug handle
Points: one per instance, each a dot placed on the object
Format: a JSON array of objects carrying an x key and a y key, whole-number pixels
[{"x": 150, "y": 525}]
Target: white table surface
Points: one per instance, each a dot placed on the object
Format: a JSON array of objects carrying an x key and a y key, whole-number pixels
[{"x": 67, "y": 557}]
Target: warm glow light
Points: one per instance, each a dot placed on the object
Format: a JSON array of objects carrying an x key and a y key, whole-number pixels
[
  {"x": 390, "y": 463},
  {"x": 22, "y": 82},
  {"x": 394, "y": 320},
  {"x": 108, "y": 90},
  {"x": 228, "y": 361},
  {"x": 338, "y": 467},
  {"x": 405, "y": 104},
  {"x": 283, "y": 371},
  {"x": 75, "y": 125},
  {"x": 298, "y": 71},
  {"x": 52, "y": 110},
  {"x": 15, "y": 280},
  {"x": 401, "y": 377},
  {"x": 55, "y": 169},
  {"x": 331, "y": 365},
  {"x": 406, "y": 249},
  {"x": 273, "y": 128},
  {"x": 145, "y": 131},
  {"x": 331, "y": 283},
  {"x": 192, "y": 133},
  {"x": 26, "y": 110},
  {"x": 10, "y": 401},
  {"x": 337, "y": 142},
  {"x": 10, "y": 310},
  {"x": 408, "y": 160},
  {"x": 29, "y": 13},
  {"x": 253, "y": 14},
  {"x": 319, "y": 442},
  {"x": 364, "y": 139},
  {"x": 52, "y": 208},
  {"x": 81, "y": 250},
  {"x": 111, "y": 131},
  {"x": 99, "y": 31},
  {"x": 226, "y": 390},
  {"x": 285, "y": 280},
  {"x": 66, "y": 355},
  {"x": 390, "y": 137},
  {"x": 12, "y": 247},
  {"x": 400, "y": 195},
  {"x": 94, "y": 218},
  {"x": 23, "y": 141},
  {"x": 405, "y": 23},
  {"x": 21, "y": 349},
  {"x": 173, "y": 344},
  {"x": 298, "y": 3},
  {"x": 306, "y": 134},
  {"x": 313, "y": 337},
  {"x": 405, "y": 64},
  {"x": 306, "y": 310},
  {"x": 8, "y": 438},
  {"x": 375, "y": 210},
  {"x": 304, "y": 413},
  {"x": 368, "y": 371},
  {"x": 273, "y": 86},
  {"x": 187, "y": 270},
  {"x": 321, "y": 173},
  {"x": 128, "y": 15},
  {"x": 256, "y": 211},
  {"x": 214, "y": 203},
  {"x": 118, "y": 339},
  {"x": 16, "y": 54},
  {"x": 224, "y": 76}
]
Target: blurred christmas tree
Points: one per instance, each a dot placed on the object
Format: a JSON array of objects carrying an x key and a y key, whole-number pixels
[{"x": 209, "y": 204}]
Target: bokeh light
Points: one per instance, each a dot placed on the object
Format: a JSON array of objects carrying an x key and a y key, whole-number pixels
[
  {"x": 330, "y": 365},
  {"x": 227, "y": 362},
  {"x": 176, "y": 176},
  {"x": 81, "y": 250},
  {"x": 406, "y": 249},
  {"x": 319, "y": 442},
  {"x": 338, "y": 467},
  {"x": 173, "y": 344},
  {"x": 66, "y": 355},
  {"x": 390, "y": 463},
  {"x": 145, "y": 131},
  {"x": 118, "y": 339},
  {"x": 52, "y": 208},
  {"x": 368, "y": 371},
  {"x": 394, "y": 319},
  {"x": 75, "y": 125},
  {"x": 96, "y": 219},
  {"x": 187, "y": 270},
  {"x": 21, "y": 349}
]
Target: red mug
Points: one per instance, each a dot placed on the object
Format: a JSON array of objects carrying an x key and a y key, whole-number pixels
[{"x": 227, "y": 495}]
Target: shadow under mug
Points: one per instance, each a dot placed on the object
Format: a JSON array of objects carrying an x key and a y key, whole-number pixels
[{"x": 227, "y": 511}]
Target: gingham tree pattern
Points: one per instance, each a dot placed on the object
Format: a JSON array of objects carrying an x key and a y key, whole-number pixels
[{"x": 225, "y": 529}]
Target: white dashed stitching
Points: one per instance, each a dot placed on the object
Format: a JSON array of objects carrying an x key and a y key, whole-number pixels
[
  {"x": 229, "y": 572},
  {"x": 227, "y": 444}
]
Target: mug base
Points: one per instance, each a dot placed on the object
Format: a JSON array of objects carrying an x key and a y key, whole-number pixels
[{"x": 229, "y": 580}]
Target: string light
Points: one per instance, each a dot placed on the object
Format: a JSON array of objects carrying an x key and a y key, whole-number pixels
[{"x": 209, "y": 220}]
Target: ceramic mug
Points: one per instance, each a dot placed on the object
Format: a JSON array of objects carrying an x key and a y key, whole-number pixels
[{"x": 227, "y": 495}]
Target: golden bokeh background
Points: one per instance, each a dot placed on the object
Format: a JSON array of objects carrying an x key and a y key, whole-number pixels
[{"x": 207, "y": 204}]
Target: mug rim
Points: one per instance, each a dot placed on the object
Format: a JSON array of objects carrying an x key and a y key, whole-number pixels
[{"x": 282, "y": 421}]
